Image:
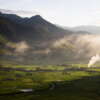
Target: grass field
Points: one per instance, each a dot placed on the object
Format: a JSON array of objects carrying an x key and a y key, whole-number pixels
[{"x": 61, "y": 82}]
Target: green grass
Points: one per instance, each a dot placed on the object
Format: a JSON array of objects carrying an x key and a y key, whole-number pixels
[{"x": 69, "y": 85}]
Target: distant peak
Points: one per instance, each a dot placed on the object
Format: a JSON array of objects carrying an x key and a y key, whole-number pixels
[{"x": 36, "y": 17}]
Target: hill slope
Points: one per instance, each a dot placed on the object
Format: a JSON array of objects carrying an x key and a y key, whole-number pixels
[{"x": 35, "y": 40}]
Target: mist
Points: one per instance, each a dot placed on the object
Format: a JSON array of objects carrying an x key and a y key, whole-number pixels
[
  {"x": 83, "y": 45},
  {"x": 93, "y": 60},
  {"x": 21, "y": 47}
]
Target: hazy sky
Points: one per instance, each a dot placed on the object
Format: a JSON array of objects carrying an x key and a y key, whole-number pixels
[{"x": 62, "y": 12}]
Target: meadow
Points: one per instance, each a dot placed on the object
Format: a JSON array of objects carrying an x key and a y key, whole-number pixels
[{"x": 49, "y": 82}]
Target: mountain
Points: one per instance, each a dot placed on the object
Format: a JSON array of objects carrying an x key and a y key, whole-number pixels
[
  {"x": 17, "y": 28},
  {"x": 34, "y": 33},
  {"x": 90, "y": 29},
  {"x": 34, "y": 40}
]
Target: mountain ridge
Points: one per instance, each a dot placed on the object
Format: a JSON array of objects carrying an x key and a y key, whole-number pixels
[{"x": 89, "y": 28}]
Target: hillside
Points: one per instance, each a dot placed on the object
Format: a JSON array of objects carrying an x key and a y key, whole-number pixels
[{"x": 42, "y": 42}]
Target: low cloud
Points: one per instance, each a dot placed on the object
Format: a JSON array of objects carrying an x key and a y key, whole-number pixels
[
  {"x": 21, "y": 47},
  {"x": 62, "y": 43},
  {"x": 86, "y": 45}
]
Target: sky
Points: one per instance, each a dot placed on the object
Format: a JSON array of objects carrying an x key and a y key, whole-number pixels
[{"x": 60, "y": 12}]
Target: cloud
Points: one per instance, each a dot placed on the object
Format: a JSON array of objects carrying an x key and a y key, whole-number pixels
[
  {"x": 19, "y": 12},
  {"x": 62, "y": 43},
  {"x": 83, "y": 45},
  {"x": 21, "y": 47}
]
